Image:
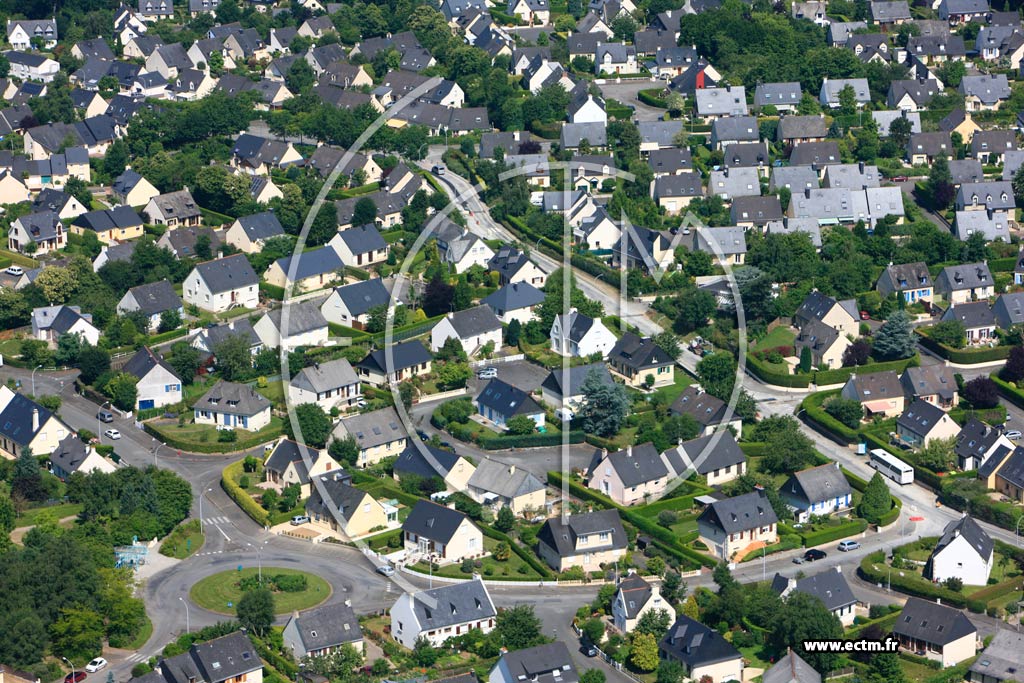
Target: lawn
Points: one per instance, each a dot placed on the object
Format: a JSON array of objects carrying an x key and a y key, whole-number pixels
[
  {"x": 780, "y": 336},
  {"x": 672, "y": 391},
  {"x": 220, "y": 592},
  {"x": 274, "y": 392},
  {"x": 186, "y": 539},
  {"x": 32, "y": 516},
  {"x": 145, "y": 633},
  {"x": 206, "y": 437},
  {"x": 10, "y": 348},
  {"x": 511, "y": 569}
]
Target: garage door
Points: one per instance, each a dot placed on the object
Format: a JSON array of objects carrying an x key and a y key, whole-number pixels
[{"x": 146, "y": 404}]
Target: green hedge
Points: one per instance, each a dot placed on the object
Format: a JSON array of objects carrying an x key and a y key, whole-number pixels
[
  {"x": 272, "y": 291},
  {"x": 494, "y": 443},
  {"x": 885, "y": 623},
  {"x": 651, "y": 98},
  {"x": 763, "y": 372},
  {"x": 167, "y": 336},
  {"x": 357, "y": 273},
  {"x": 812, "y": 407},
  {"x": 824, "y": 377},
  {"x": 873, "y": 569},
  {"x": 208, "y": 447},
  {"x": 963, "y": 356},
  {"x": 1009, "y": 392},
  {"x": 851, "y": 528},
  {"x": 1002, "y": 265},
  {"x": 407, "y": 332},
  {"x": 241, "y": 498},
  {"x": 526, "y": 556}
]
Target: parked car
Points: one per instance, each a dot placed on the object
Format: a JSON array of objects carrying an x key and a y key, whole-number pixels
[
  {"x": 95, "y": 665},
  {"x": 864, "y": 315},
  {"x": 487, "y": 373},
  {"x": 299, "y": 520},
  {"x": 589, "y": 650},
  {"x": 17, "y": 271},
  {"x": 848, "y": 545},
  {"x": 899, "y": 178},
  {"x": 105, "y": 416},
  {"x": 438, "y": 170},
  {"x": 386, "y": 570},
  {"x": 112, "y": 434},
  {"x": 814, "y": 554},
  {"x": 1013, "y": 434},
  {"x": 75, "y": 677}
]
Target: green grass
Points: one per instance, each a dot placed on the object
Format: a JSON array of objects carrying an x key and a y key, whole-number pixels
[
  {"x": 509, "y": 569},
  {"x": 216, "y": 591},
  {"x": 780, "y": 336},
  {"x": 32, "y": 516},
  {"x": 145, "y": 633},
  {"x": 274, "y": 392},
  {"x": 192, "y": 434},
  {"x": 10, "y": 348},
  {"x": 671, "y": 392},
  {"x": 186, "y": 539}
]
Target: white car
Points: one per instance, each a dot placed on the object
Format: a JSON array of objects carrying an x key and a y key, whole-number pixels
[
  {"x": 95, "y": 665},
  {"x": 112, "y": 434},
  {"x": 1013, "y": 434},
  {"x": 386, "y": 570},
  {"x": 487, "y": 373},
  {"x": 15, "y": 270}
]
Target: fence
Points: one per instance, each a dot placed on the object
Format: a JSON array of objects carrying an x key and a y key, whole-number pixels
[{"x": 499, "y": 359}]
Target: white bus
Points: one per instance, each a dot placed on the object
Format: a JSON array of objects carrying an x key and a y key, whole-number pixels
[{"x": 891, "y": 466}]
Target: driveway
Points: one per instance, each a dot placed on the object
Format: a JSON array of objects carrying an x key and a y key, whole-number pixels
[
  {"x": 625, "y": 92},
  {"x": 521, "y": 374}
]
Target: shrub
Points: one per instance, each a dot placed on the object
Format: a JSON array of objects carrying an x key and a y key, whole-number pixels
[
  {"x": 227, "y": 435},
  {"x": 954, "y": 583}
]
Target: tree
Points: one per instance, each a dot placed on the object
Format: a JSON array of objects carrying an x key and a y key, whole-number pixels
[
  {"x": 856, "y": 353},
  {"x": 975, "y": 248},
  {"x": 1013, "y": 371},
  {"x": 364, "y": 212},
  {"x": 717, "y": 374},
  {"x": 462, "y": 294},
  {"x": 423, "y": 653},
  {"x": 185, "y": 360},
  {"x": 894, "y": 339},
  {"x": 57, "y": 284},
  {"x": 454, "y": 375},
  {"x": 513, "y": 332},
  {"x": 805, "y": 359},
  {"x": 171, "y": 318},
  {"x": 655, "y": 622},
  {"x": 592, "y": 676},
  {"x": 643, "y": 652},
  {"x": 847, "y": 410},
  {"x": 938, "y": 455},
  {"x": 940, "y": 184},
  {"x": 951, "y": 333},
  {"x": 875, "y": 501},
  {"x": 981, "y": 392},
  {"x": 78, "y": 632},
  {"x": 520, "y": 425},
  {"x": 505, "y": 521},
  {"x": 300, "y": 77},
  {"x": 886, "y": 667},
  {"x": 1018, "y": 185},
  {"x": 604, "y": 406},
  {"x": 670, "y": 671},
  {"x": 438, "y": 297},
  {"x": 122, "y": 390},
  {"x": 593, "y": 630},
  {"x": 77, "y": 188},
  {"x": 805, "y": 618},
  {"x": 847, "y": 101},
  {"x": 624, "y": 26},
  {"x": 899, "y": 132},
  {"x": 696, "y": 307},
  {"x": 255, "y": 610},
  {"x": 518, "y": 627},
  {"x": 314, "y": 424},
  {"x": 27, "y": 480},
  {"x": 234, "y": 357},
  {"x": 69, "y": 346},
  {"x": 451, "y": 351}
]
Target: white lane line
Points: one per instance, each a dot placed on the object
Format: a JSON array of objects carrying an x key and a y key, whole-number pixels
[{"x": 226, "y": 537}]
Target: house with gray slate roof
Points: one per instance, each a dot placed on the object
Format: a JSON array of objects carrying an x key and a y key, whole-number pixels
[
  {"x": 713, "y": 103},
  {"x": 350, "y": 305},
  {"x": 701, "y": 651},
  {"x": 829, "y": 586},
  {"x": 320, "y": 631},
  {"x": 631, "y": 476},
  {"x": 229, "y": 405},
  {"x": 586, "y": 540},
  {"x": 292, "y": 463},
  {"x": 333, "y": 384},
  {"x": 473, "y": 327},
  {"x": 1000, "y": 661},
  {"x": 72, "y": 455},
  {"x": 943, "y": 633},
  {"x": 227, "y": 658},
  {"x": 515, "y": 301},
  {"x": 717, "y": 458},
  {"x": 249, "y": 234},
  {"x": 731, "y": 526},
  {"x": 791, "y": 668},
  {"x": 158, "y": 383},
  {"x": 441, "y": 613},
  {"x": 783, "y": 96},
  {"x": 821, "y": 490},
  {"x": 443, "y": 534},
  {"x": 964, "y": 551},
  {"x": 499, "y": 485},
  {"x": 222, "y": 284},
  {"x": 152, "y": 300},
  {"x": 306, "y": 325}
]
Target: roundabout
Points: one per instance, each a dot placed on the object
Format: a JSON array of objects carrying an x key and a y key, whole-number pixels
[{"x": 293, "y": 590}]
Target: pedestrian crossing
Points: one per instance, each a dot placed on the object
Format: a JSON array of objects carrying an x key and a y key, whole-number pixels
[
  {"x": 137, "y": 657},
  {"x": 211, "y": 552},
  {"x": 216, "y": 520}
]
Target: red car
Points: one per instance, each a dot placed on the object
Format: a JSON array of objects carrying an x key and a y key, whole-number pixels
[
  {"x": 900, "y": 179},
  {"x": 864, "y": 315},
  {"x": 75, "y": 677}
]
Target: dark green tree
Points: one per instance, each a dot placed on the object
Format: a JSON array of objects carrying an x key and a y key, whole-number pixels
[
  {"x": 518, "y": 627},
  {"x": 314, "y": 424},
  {"x": 604, "y": 407},
  {"x": 255, "y": 610},
  {"x": 506, "y": 520},
  {"x": 894, "y": 339},
  {"x": 875, "y": 501},
  {"x": 805, "y": 618}
]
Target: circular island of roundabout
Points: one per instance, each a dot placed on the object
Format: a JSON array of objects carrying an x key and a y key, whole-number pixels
[{"x": 293, "y": 590}]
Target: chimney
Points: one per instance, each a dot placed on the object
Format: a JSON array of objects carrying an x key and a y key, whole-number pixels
[
  {"x": 839, "y": 569},
  {"x": 511, "y": 470},
  {"x": 629, "y": 451},
  {"x": 35, "y": 420}
]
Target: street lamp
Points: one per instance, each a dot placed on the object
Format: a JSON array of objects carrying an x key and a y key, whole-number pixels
[
  {"x": 71, "y": 665},
  {"x": 34, "y": 379},
  {"x": 1016, "y": 531},
  {"x": 202, "y": 529},
  {"x": 99, "y": 427},
  {"x": 259, "y": 558},
  {"x": 188, "y": 625}
]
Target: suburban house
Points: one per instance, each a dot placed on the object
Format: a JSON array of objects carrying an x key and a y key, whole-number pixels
[
  {"x": 580, "y": 336},
  {"x": 1008, "y": 309},
  {"x": 499, "y": 402},
  {"x": 360, "y": 246},
  {"x": 206, "y": 339},
  {"x": 977, "y": 318},
  {"x": 1004, "y": 472},
  {"x": 473, "y": 327},
  {"x": 306, "y": 326},
  {"x": 258, "y": 156},
  {"x": 119, "y": 224},
  {"x": 222, "y": 284},
  {"x": 26, "y": 424},
  {"x": 293, "y": 463},
  {"x": 935, "y": 384},
  {"x": 441, "y": 613},
  {"x": 879, "y": 392},
  {"x": 710, "y": 412},
  {"x": 513, "y": 265},
  {"x": 1000, "y": 661},
  {"x": 791, "y": 668},
  {"x": 911, "y": 280},
  {"x": 442, "y": 535},
  {"x": 829, "y": 586},
  {"x": 563, "y": 390},
  {"x": 347, "y": 513},
  {"x": 587, "y": 540},
  {"x": 827, "y": 344},
  {"x": 229, "y": 405},
  {"x": 550, "y": 663},
  {"x": 922, "y": 422},
  {"x": 426, "y": 462},
  {"x": 152, "y": 300},
  {"x": 977, "y": 442},
  {"x": 350, "y": 305},
  {"x": 631, "y": 476},
  {"x": 188, "y": 242},
  {"x": 733, "y": 526},
  {"x": 333, "y": 384},
  {"x": 21, "y": 33},
  {"x": 378, "y": 433},
  {"x": 943, "y": 633},
  {"x": 969, "y": 282},
  {"x": 227, "y": 659},
  {"x": 43, "y": 230},
  {"x": 638, "y": 360},
  {"x": 499, "y": 485},
  {"x": 703, "y": 652},
  {"x": 964, "y": 551},
  {"x": 322, "y": 630},
  {"x": 174, "y": 209},
  {"x": 313, "y": 270},
  {"x": 717, "y": 458},
  {"x": 397, "y": 363},
  {"x": 72, "y": 455},
  {"x": 515, "y": 301},
  {"x": 50, "y": 322},
  {"x": 820, "y": 490},
  {"x": 158, "y": 385},
  {"x": 249, "y": 234},
  {"x": 634, "y": 597},
  {"x": 840, "y": 315}
]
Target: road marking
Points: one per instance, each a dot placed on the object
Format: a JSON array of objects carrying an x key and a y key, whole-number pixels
[{"x": 226, "y": 537}]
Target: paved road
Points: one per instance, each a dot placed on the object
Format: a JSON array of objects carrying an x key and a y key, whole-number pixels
[{"x": 625, "y": 91}]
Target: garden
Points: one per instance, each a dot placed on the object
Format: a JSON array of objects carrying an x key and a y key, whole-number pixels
[
  {"x": 292, "y": 589},
  {"x": 184, "y": 434},
  {"x": 500, "y": 564}
]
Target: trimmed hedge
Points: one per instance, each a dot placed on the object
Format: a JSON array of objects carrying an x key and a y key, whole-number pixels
[
  {"x": 760, "y": 369},
  {"x": 208, "y": 447},
  {"x": 851, "y": 528},
  {"x": 241, "y": 498},
  {"x": 1002, "y": 265},
  {"x": 494, "y": 443},
  {"x": 651, "y": 99},
  {"x": 168, "y": 335},
  {"x": 272, "y": 291},
  {"x": 1009, "y": 392},
  {"x": 812, "y": 406},
  {"x": 873, "y": 569},
  {"x": 842, "y": 374},
  {"x": 963, "y": 356},
  {"x": 357, "y": 273}
]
